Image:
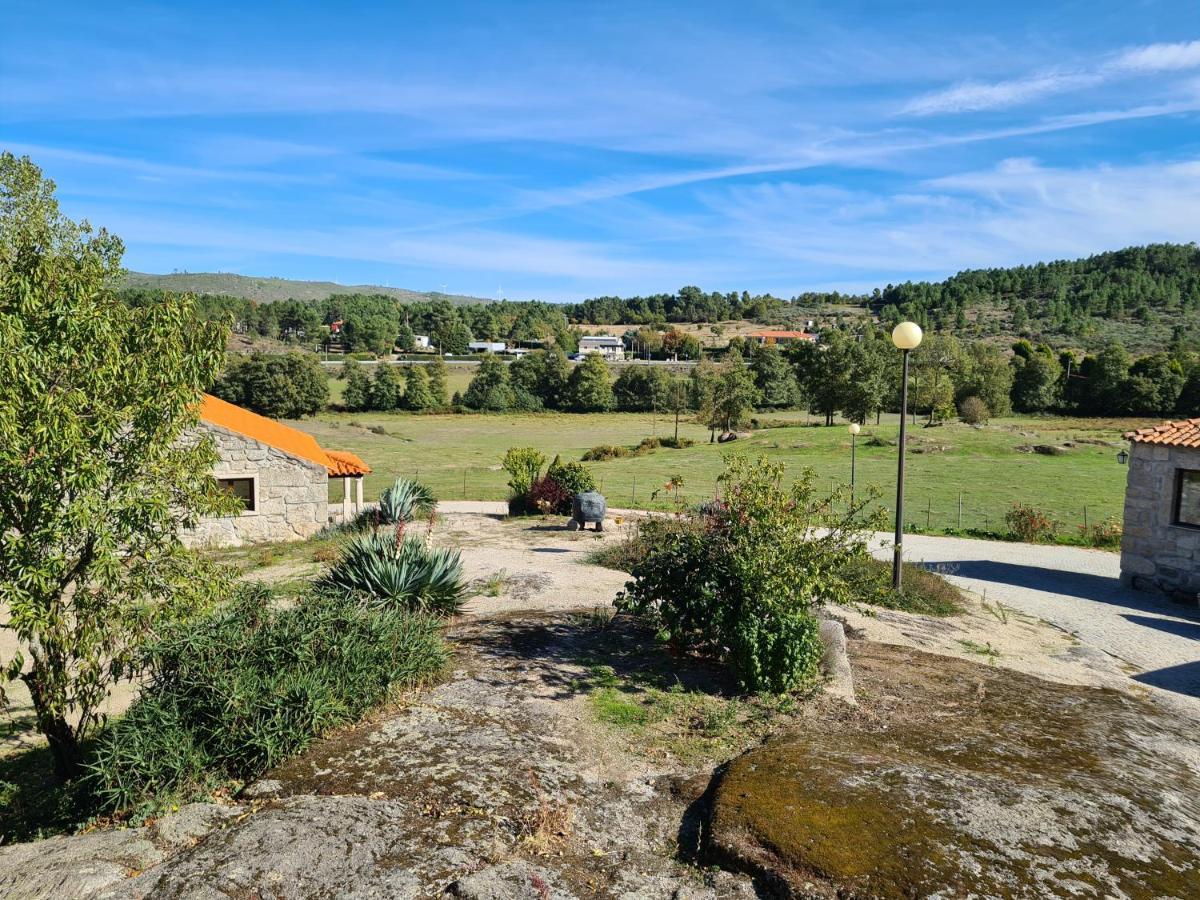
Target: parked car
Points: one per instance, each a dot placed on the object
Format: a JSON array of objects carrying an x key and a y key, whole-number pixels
[{"x": 575, "y": 357}]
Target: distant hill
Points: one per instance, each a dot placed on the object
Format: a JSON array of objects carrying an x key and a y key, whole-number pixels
[{"x": 268, "y": 290}]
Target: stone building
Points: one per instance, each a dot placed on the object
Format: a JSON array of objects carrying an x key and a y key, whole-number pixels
[
  {"x": 280, "y": 474},
  {"x": 1160, "y": 549}
]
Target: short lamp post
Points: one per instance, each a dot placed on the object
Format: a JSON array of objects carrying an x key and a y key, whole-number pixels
[
  {"x": 854, "y": 430},
  {"x": 907, "y": 337}
]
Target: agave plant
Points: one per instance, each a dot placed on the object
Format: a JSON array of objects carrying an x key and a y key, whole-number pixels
[
  {"x": 386, "y": 569},
  {"x": 404, "y": 501}
]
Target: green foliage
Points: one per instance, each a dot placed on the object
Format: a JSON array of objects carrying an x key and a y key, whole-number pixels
[
  {"x": 925, "y": 593},
  {"x": 742, "y": 580},
  {"x": 574, "y": 477},
  {"x": 100, "y": 464},
  {"x": 417, "y": 395},
  {"x": 776, "y": 383},
  {"x": 438, "y": 374},
  {"x": 388, "y": 570},
  {"x": 405, "y": 501},
  {"x": 282, "y": 386},
  {"x": 602, "y": 452},
  {"x": 732, "y": 397},
  {"x": 523, "y": 465},
  {"x": 234, "y": 694},
  {"x": 589, "y": 387},
  {"x": 387, "y": 390},
  {"x": 489, "y": 390}
]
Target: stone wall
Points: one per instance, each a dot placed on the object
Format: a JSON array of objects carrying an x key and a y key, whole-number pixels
[
  {"x": 292, "y": 495},
  {"x": 1156, "y": 554}
]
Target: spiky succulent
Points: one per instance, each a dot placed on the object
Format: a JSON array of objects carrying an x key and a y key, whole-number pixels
[
  {"x": 382, "y": 569},
  {"x": 404, "y": 501}
]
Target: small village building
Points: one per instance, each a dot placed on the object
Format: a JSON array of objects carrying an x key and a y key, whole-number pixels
[
  {"x": 1160, "y": 547},
  {"x": 780, "y": 337},
  {"x": 280, "y": 474},
  {"x": 487, "y": 346},
  {"x": 607, "y": 345},
  {"x": 421, "y": 342}
]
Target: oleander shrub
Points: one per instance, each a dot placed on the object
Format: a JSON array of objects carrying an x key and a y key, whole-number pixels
[
  {"x": 239, "y": 691},
  {"x": 388, "y": 570},
  {"x": 743, "y": 580},
  {"x": 1029, "y": 524}
]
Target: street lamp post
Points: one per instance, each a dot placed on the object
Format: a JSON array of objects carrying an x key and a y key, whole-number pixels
[
  {"x": 854, "y": 430},
  {"x": 907, "y": 337}
]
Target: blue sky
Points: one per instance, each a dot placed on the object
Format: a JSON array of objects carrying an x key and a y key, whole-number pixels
[{"x": 564, "y": 150}]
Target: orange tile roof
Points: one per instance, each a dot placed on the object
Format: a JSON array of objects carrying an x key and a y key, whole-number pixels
[
  {"x": 1185, "y": 433},
  {"x": 338, "y": 463}
]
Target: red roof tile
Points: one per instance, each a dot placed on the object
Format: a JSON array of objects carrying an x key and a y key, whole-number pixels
[
  {"x": 294, "y": 442},
  {"x": 1185, "y": 433}
]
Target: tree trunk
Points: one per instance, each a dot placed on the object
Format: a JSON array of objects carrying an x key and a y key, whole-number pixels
[
  {"x": 676, "y": 428},
  {"x": 64, "y": 743}
]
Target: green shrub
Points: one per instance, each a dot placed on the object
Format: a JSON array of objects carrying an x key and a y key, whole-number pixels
[
  {"x": 573, "y": 477},
  {"x": 523, "y": 465},
  {"x": 602, "y": 452},
  {"x": 972, "y": 410},
  {"x": 387, "y": 570},
  {"x": 676, "y": 443},
  {"x": 238, "y": 692},
  {"x": 405, "y": 501},
  {"x": 741, "y": 580},
  {"x": 647, "y": 445},
  {"x": 1029, "y": 524},
  {"x": 645, "y": 535}
]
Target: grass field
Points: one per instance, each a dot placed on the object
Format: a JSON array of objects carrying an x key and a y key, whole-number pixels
[{"x": 459, "y": 457}]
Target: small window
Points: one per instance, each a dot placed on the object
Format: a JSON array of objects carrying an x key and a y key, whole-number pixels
[
  {"x": 242, "y": 488},
  {"x": 1187, "y": 498}
]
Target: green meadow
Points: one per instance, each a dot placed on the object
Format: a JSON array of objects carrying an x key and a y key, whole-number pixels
[{"x": 980, "y": 470}]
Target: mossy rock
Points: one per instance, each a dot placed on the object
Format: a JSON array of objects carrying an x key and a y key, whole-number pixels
[{"x": 957, "y": 779}]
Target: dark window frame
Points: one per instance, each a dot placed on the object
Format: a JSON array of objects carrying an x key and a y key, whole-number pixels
[
  {"x": 249, "y": 502},
  {"x": 1177, "y": 507}
]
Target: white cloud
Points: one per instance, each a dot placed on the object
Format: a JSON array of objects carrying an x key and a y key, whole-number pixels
[
  {"x": 975, "y": 96},
  {"x": 1160, "y": 57}
]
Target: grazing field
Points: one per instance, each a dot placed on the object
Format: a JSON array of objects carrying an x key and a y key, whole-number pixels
[{"x": 989, "y": 467}]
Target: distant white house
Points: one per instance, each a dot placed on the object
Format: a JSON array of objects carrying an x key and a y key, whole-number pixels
[
  {"x": 420, "y": 341},
  {"x": 487, "y": 346},
  {"x": 607, "y": 345}
]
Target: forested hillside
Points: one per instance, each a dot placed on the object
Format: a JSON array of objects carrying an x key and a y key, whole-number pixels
[
  {"x": 1146, "y": 298},
  {"x": 270, "y": 290}
]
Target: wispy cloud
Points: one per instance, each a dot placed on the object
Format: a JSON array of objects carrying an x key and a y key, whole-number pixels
[
  {"x": 1160, "y": 57},
  {"x": 976, "y": 96}
]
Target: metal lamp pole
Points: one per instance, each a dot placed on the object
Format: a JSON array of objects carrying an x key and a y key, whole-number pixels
[{"x": 907, "y": 337}]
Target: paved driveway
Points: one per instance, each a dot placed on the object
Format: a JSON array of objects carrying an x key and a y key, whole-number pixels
[{"x": 1077, "y": 590}]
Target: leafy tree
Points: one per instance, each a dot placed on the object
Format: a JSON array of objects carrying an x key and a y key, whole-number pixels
[
  {"x": 489, "y": 389},
  {"x": 417, "y": 395},
  {"x": 676, "y": 398},
  {"x": 589, "y": 389},
  {"x": 871, "y": 379},
  {"x": 357, "y": 396},
  {"x": 988, "y": 376},
  {"x": 1155, "y": 384},
  {"x": 374, "y": 334},
  {"x": 639, "y": 388},
  {"x": 100, "y": 462},
  {"x": 823, "y": 371},
  {"x": 406, "y": 340},
  {"x": 773, "y": 377},
  {"x": 553, "y": 374},
  {"x": 452, "y": 336},
  {"x": 1036, "y": 377},
  {"x": 282, "y": 386},
  {"x": 438, "y": 375},
  {"x": 935, "y": 365},
  {"x": 733, "y": 396},
  {"x": 387, "y": 390}
]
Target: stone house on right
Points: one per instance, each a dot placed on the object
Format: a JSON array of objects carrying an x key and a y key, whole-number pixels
[{"x": 1160, "y": 548}]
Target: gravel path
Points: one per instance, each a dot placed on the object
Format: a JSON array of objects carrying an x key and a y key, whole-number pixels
[{"x": 1077, "y": 590}]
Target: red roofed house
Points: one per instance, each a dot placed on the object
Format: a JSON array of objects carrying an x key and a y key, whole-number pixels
[
  {"x": 1160, "y": 549},
  {"x": 781, "y": 337},
  {"x": 281, "y": 475}
]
